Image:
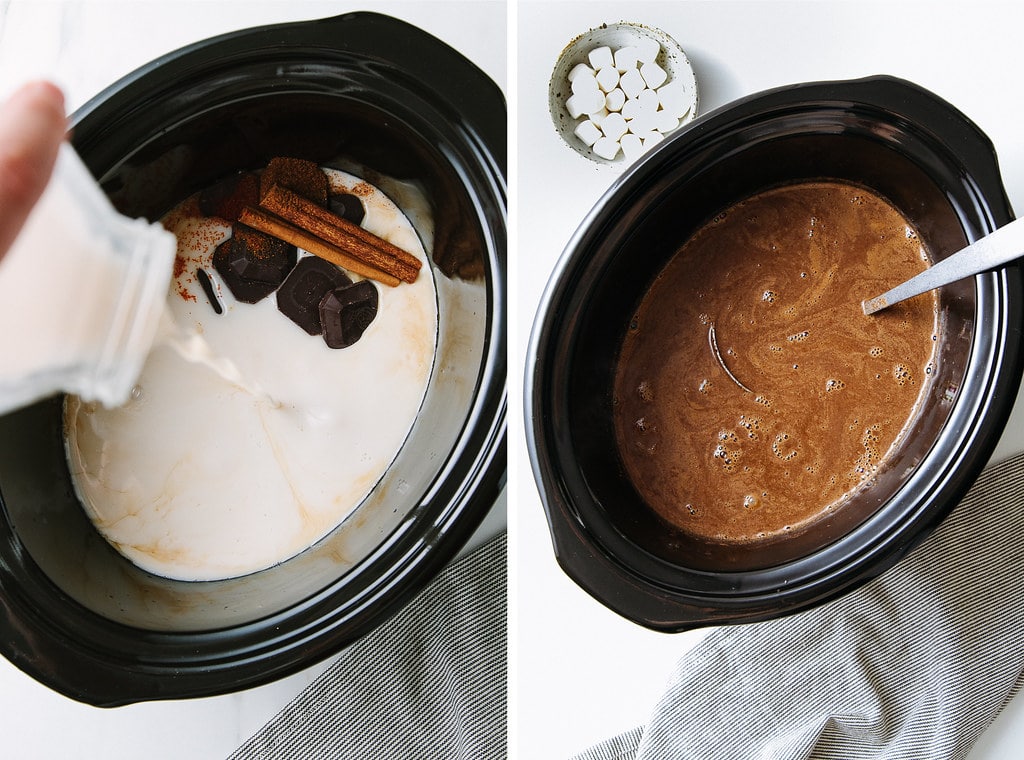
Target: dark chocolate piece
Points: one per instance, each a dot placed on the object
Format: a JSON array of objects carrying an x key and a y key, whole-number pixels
[
  {"x": 347, "y": 206},
  {"x": 228, "y": 197},
  {"x": 346, "y": 312},
  {"x": 207, "y": 285},
  {"x": 302, "y": 177},
  {"x": 304, "y": 288},
  {"x": 246, "y": 291},
  {"x": 256, "y": 256}
]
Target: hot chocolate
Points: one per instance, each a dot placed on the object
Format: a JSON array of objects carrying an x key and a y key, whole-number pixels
[{"x": 752, "y": 395}]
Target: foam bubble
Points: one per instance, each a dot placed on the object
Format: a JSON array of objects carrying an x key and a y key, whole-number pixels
[
  {"x": 782, "y": 449},
  {"x": 644, "y": 391},
  {"x": 752, "y": 425}
]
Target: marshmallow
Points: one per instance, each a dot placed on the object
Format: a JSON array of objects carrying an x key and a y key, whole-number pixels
[
  {"x": 647, "y": 49},
  {"x": 626, "y": 58},
  {"x": 648, "y": 99},
  {"x": 614, "y": 126},
  {"x": 644, "y": 122},
  {"x": 608, "y": 78},
  {"x": 599, "y": 116},
  {"x": 587, "y": 101},
  {"x": 651, "y": 139},
  {"x": 580, "y": 69},
  {"x": 631, "y": 108},
  {"x": 601, "y": 58},
  {"x": 675, "y": 99},
  {"x": 607, "y": 148},
  {"x": 653, "y": 75},
  {"x": 584, "y": 83},
  {"x": 593, "y": 101},
  {"x": 615, "y": 100},
  {"x": 632, "y": 146},
  {"x": 574, "y": 105},
  {"x": 665, "y": 122},
  {"x": 588, "y": 132},
  {"x": 632, "y": 83}
]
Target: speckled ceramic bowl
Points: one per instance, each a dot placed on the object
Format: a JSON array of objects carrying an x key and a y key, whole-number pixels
[{"x": 672, "y": 59}]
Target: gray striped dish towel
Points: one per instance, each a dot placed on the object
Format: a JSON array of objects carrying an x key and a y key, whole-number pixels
[
  {"x": 915, "y": 664},
  {"x": 429, "y": 683}
]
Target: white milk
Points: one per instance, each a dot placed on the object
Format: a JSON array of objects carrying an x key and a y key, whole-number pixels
[
  {"x": 231, "y": 465},
  {"x": 81, "y": 292}
]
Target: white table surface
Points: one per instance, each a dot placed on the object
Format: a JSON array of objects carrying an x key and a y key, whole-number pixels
[
  {"x": 84, "y": 47},
  {"x": 582, "y": 673}
]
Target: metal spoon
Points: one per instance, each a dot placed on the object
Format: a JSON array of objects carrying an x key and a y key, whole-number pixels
[{"x": 995, "y": 249}]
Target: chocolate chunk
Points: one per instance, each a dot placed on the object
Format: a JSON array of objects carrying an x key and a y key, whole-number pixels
[
  {"x": 211, "y": 292},
  {"x": 304, "y": 288},
  {"x": 245, "y": 290},
  {"x": 346, "y": 312},
  {"x": 302, "y": 177},
  {"x": 347, "y": 206},
  {"x": 228, "y": 197},
  {"x": 257, "y": 256}
]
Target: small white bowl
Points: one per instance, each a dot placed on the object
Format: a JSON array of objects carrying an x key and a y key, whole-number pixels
[{"x": 671, "y": 58}]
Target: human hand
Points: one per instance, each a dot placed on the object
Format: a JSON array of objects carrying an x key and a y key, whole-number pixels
[{"x": 32, "y": 126}]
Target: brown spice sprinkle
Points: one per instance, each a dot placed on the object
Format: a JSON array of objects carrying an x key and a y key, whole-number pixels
[
  {"x": 362, "y": 189},
  {"x": 202, "y": 233},
  {"x": 227, "y": 198},
  {"x": 298, "y": 175},
  {"x": 257, "y": 244}
]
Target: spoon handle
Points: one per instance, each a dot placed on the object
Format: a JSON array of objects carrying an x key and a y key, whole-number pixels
[{"x": 995, "y": 249}]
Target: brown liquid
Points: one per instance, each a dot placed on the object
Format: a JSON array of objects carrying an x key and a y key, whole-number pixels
[{"x": 752, "y": 394}]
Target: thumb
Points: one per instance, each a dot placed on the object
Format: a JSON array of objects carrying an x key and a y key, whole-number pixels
[{"x": 32, "y": 125}]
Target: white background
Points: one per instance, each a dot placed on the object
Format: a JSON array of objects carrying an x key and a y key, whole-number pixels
[
  {"x": 84, "y": 47},
  {"x": 584, "y": 674}
]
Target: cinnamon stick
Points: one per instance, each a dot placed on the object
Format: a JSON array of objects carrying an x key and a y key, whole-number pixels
[
  {"x": 341, "y": 233},
  {"x": 263, "y": 221}
]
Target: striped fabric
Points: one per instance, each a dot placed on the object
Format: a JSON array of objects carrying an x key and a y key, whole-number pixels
[
  {"x": 429, "y": 683},
  {"x": 914, "y": 665}
]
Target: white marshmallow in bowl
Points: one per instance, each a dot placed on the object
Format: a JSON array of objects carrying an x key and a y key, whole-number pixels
[
  {"x": 653, "y": 75},
  {"x": 607, "y": 148},
  {"x": 626, "y": 58},
  {"x": 601, "y": 58},
  {"x": 647, "y": 49},
  {"x": 588, "y": 132},
  {"x": 608, "y": 78},
  {"x": 628, "y": 83},
  {"x": 615, "y": 100}
]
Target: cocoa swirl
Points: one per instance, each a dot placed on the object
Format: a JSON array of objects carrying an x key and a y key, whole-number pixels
[{"x": 752, "y": 395}]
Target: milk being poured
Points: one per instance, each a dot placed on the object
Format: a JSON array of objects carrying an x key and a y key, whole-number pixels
[
  {"x": 81, "y": 293},
  {"x": 190, "y": 345}
]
